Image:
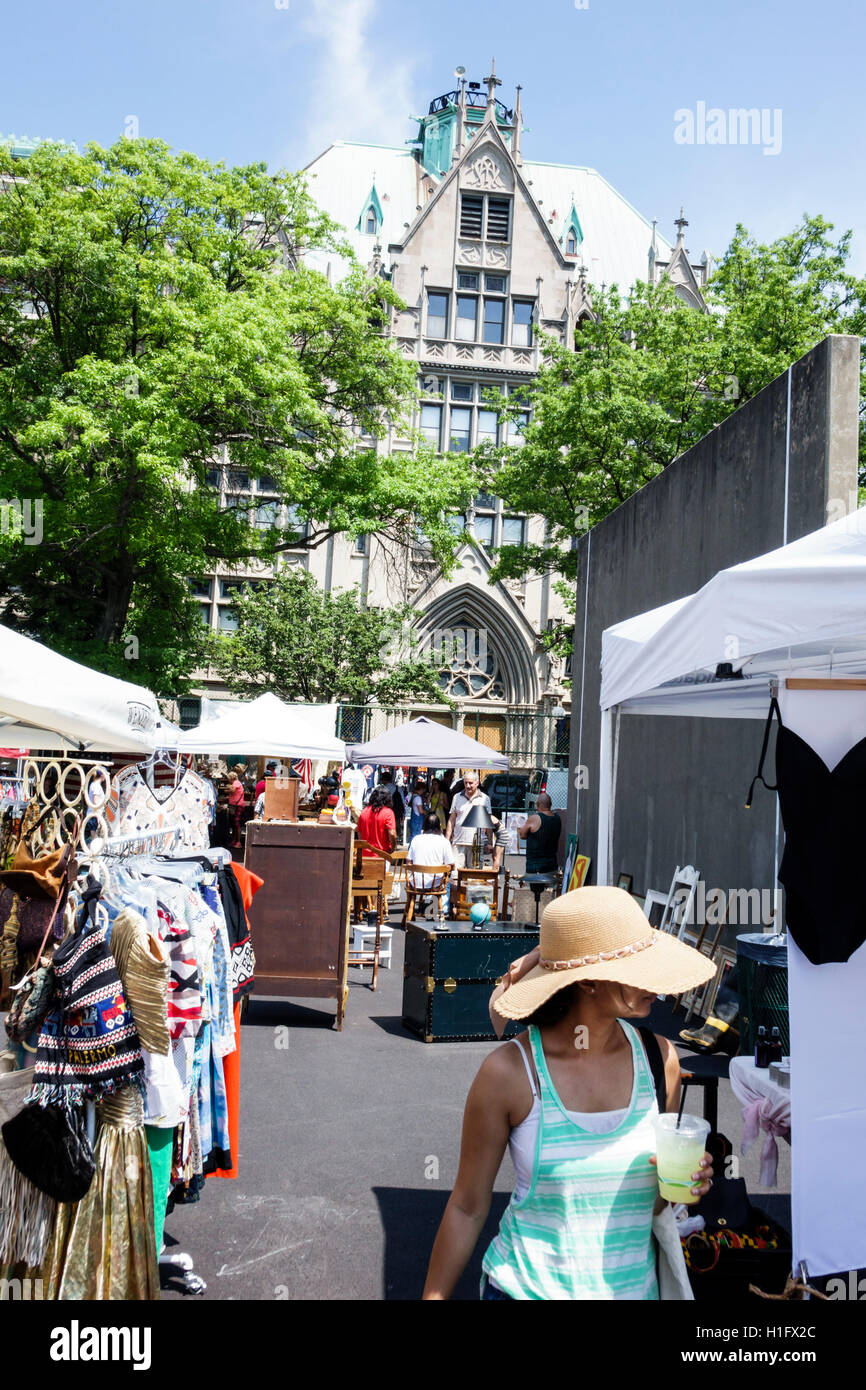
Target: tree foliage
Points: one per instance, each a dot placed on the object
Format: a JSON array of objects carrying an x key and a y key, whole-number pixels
[
  {"x": 304, "y": 644},
  {"x": 650, "y": 376},
  {"x": 158, "y": 317}
]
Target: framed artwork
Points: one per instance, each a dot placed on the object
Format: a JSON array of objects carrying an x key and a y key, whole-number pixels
[
  {"x": 625, "y": 881},
  {"x": 654, "y": 907},
  {"x": 579, "y": 872},
  {"x": 568, "y": 863}
]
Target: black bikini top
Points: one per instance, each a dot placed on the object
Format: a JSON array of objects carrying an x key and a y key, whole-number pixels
[{"x": 822, "y": 809}]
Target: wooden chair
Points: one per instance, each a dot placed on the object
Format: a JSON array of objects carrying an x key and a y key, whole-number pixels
[{"x": 439, "y": 873}]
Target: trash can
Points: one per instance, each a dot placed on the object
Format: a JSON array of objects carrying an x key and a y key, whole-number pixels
[{"x": 762, "y": 984}]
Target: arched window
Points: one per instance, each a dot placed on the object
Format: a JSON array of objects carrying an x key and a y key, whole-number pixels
[
  {"x": 371, "y": 222},
  {"x": 470, "y": 668},
  {"x": 571, "y": 245}
]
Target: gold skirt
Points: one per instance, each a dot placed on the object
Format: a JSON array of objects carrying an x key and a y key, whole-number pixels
[{"x": 104, "y": 1246}]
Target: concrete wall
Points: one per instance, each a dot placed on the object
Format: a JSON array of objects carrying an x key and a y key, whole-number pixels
[{"x": 682, "y": 783}]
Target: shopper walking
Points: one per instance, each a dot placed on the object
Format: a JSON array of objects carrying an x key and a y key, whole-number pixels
[{"x": 574, "y": 1099}]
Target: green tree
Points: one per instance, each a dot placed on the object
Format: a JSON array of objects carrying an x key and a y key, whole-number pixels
[
  {"x": 304, "y": 644},
  {"x": 157, "y": 318},
  {"x": 650, "y": 376}
]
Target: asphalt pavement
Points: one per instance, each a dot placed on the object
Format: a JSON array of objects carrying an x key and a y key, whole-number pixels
[{"x": 348, "y": 1150}]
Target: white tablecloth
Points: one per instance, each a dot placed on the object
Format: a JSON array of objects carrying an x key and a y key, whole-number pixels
[{"x": 767, "y": 1106}]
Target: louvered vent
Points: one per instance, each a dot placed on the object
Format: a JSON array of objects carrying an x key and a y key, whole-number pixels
[
  {"x": 497, "y": 219},
  {"x": 471, "y": 210}
]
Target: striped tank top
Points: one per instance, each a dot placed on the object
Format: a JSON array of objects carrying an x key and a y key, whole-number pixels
[{"x": 584, "y": 1228}]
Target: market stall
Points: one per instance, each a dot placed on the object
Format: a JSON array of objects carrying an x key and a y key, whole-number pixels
[
  {"x": 119, "y": 1086},
  {"x": 301, "y": 916},
  {"x": 422, "y": 742},
  {"x": 787, "y": 626}
]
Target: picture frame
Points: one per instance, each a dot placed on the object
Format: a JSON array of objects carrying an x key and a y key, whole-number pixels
[
  {"x": 654, "y": 906},
  {"x": 625, "y": 882},
  {"x": 568, "y": 862},
  {"x": 579, "y": 872}
]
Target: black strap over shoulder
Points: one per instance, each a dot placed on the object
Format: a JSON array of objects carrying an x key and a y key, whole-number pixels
[
  {"x": 656, "y": 1065},
  {"x": 759, "y": 775}
]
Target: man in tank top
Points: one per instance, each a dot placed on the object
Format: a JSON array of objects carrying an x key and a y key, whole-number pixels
[{"x": 541, "y": 832}]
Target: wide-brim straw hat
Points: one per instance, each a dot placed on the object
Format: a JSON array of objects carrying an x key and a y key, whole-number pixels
[{"x": 601, "y": 934}]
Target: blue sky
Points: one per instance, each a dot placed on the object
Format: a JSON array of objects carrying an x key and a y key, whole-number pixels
[{"x": 241, "y": 80}]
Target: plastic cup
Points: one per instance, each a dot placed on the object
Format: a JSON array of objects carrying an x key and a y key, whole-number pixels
[{"x": 679, "y": 1150}]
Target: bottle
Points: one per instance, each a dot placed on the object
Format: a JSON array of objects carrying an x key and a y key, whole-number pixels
[
  {"x": 775, "y": 1045},
  {"x": 762, "y": 1049}
]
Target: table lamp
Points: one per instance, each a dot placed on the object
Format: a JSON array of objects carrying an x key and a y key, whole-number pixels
[{"x": 478, "y": 819}]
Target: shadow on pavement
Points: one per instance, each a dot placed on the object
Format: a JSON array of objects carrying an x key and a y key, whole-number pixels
[{"x": 410, "y": 1219}]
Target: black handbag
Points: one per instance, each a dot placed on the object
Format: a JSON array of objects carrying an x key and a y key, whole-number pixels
[
  {"x": 740, "y": 1245},
  {"x": 48, "y": 1144}
]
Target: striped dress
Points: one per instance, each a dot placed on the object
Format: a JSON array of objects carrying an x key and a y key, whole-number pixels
[{"x": 584, "y": 1228}]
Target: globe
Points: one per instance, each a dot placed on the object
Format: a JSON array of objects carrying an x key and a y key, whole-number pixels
[{"x": 480, "y": 912}]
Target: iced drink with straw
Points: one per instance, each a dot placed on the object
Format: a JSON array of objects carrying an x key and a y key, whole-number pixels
[{"x": 681, "y": 1142}]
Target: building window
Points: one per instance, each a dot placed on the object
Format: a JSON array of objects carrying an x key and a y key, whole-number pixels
[
  {"x": 431, "y": 424},
  {"x": 517, "y": 428},
  {"x": 201, "y": 588},
  {"x": 437, "y": 316},
  {"x": 460, "y": 431},
  {"x": 228, "y": 620},
  {"x": 485, "y": 502},
  {"x": 488, "y": 427},
  {"x": 498, "y": 219},
  {"x": 361, "y": 545},
  {"x": 495, "y": 283},
  {"x": 372, "y": 227},
  {"x": 462, "y": 391},
  {"x": 521, "y": 331},
  {"x": 473, "y": 669},
  {"x": 457, "y": 525},
  {"x": 467, "y": 280},
  {"x": 467, "y": 313},
  {"x": 471, "y": 215},
  {"x": 494, "y": 320},
  {"x": 513, "y": 530},
  {"x": 483, "y": 526},
  {"x": 571, "y": 245}
]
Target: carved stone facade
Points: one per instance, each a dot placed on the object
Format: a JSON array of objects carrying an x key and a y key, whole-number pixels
[{"x": 483, "y": 246}]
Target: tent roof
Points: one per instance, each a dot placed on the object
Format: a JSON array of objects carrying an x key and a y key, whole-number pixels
[
  {"x": 801, "y": 607},
  {"x": 48, "y": 701},
  {"x": 263, "y": 726},
  {"x": 424, "y": 743}
]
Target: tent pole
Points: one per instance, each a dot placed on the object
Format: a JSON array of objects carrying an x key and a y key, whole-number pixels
[{"x": 604, "y": 807}]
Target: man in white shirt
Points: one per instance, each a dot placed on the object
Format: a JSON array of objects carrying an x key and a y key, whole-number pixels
[
  {"x": 429, "y": 848},
  {"x": 463, "y": 840}
]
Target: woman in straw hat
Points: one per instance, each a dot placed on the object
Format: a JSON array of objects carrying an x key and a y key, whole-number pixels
[{"x": 573, "y": 1099}]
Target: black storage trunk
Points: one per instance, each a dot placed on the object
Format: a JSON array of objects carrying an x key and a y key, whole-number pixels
[{"x": 449, "y": 976}]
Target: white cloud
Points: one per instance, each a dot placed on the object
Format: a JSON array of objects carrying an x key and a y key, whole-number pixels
[{"x": 354, "y": 92}]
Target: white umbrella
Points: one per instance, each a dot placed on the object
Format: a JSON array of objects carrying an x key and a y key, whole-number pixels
[
  {"x": 48, "y": 701},
  {"x": 424, "y": 743},
  {"x": 261, "y": 727}
]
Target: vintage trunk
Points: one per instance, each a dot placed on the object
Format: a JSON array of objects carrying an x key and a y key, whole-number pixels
[
  {"x": 300, "y": 918},
  {"x": 448, "y": 977}
]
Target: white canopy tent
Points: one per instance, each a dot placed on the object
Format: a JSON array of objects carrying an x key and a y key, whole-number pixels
[
  {"x": 261, "y": 727},
  {"x": 423, "y": 743},
  {"x": 800, "y": 608},
  {"x": 50, "y": 702},
  {"x": 797, "y": 611}
]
